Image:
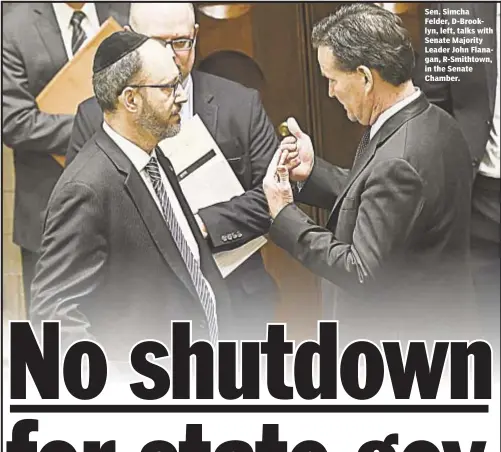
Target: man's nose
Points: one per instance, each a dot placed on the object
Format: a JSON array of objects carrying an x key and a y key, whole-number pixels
[{"x": 181, "y": 95}]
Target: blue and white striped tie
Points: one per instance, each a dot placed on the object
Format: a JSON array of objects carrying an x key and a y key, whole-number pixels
[
  {"x": 78, "y": 37},
  {"x": 201, "y": 286}
]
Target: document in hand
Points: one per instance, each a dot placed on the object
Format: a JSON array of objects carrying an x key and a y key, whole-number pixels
[
  {"x": 206, "y": 178},
  {"x": 73, "y": 83}
]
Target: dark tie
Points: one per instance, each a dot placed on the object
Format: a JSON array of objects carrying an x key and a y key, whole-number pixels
[
  {"x": 79, "y": 35},
  {"x": 362, "y": 146},
  {"x": 201, "y": 286}
]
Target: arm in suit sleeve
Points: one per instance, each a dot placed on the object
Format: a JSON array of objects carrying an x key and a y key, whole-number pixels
[
  {"x": 73, "y": 254},
  {"x": 82, "y": 131},
  {"x": 324, "y": 185},
  {"x": 25, "y": 127},
  {"x": 248, "y": 213},
  {"x": 388, "y": 211}
]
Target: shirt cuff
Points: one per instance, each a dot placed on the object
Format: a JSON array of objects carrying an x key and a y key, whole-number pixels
[{"x": 201, "y": 226}]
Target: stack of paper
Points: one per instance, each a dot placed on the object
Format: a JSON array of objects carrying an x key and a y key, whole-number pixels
[
  {"x": 73, "y": 83},
  {"x": 196, "y": 158}
]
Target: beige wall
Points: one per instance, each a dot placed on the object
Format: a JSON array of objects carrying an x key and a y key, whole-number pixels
[{"x": 12, "y": 290}]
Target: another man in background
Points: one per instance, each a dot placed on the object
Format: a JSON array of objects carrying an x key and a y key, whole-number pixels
[
  {"x": 38, "y": 40},
  {"x": 236, "y": 119},
  {"x": 396, "y": 241},
  {"x": 474, "y": 101}
]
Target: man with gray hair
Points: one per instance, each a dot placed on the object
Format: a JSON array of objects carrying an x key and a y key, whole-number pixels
[
  {"x": 235, "y": 117},
  {"x": 396, "y": 241},
  {"x": 121, "y": 254}
]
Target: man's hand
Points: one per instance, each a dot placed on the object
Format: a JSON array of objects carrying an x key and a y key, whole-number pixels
[
  {"x": 298, "y": 150},
  {"x": 276, "y": 185}
]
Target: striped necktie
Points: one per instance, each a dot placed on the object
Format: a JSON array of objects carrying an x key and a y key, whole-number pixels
[
  {"x": 201, "y": 286},
  {"x": 362, "y": 146},
  {"x": 79, "y": 36}
]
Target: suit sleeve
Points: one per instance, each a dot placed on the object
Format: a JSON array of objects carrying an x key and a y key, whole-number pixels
[
  {"x": 81, "y": 133},
  {"x": 386, "y": 217},
  {"x": 245, "y": 217},
  {"x": 73, "y": 254},
  {"x": 25, "y": 127},
  {"x": 324, "y": 185}
]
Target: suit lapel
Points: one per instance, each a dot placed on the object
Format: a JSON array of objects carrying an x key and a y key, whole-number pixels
[
  {"x": 50, "y": 34},
  {"x": 103, "y": 11},
  {"x": 386, "y": 131},
  {"x": 203, "y": 104},
  {"x": 153, "y": 220},
  {"x": 487, "y": 13}
]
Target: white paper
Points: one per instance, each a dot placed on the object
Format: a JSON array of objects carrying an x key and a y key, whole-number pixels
[{"x": 213, "y": 181}]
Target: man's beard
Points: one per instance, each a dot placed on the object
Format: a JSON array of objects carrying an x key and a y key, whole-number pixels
[{"x": 156, "y": 124}]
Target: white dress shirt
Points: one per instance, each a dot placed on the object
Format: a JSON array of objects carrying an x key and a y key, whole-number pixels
[
  {"x": 489, "y": 166},
  {"x": 392, "y": 111},
  {"x": 140, "y": 159},
  {"x": 90, "y": 24},
  {"x": 186, "y": 112}
]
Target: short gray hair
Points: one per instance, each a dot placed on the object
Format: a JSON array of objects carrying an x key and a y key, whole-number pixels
[
  {"x": 364, "y": 34},
  {"x": 110, "y": 82}
]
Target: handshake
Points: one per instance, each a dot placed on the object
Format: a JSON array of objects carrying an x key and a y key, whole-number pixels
[{"x": 293, "y": 160}]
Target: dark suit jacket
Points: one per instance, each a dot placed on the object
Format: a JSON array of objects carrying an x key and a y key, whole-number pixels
[
  {"x": 396, "y": 241},
  {"x": 471, "y": 100},
  {"x": 33, "y": 53},
  {"x": 236, "y": 119},
  {"x": 109, "y": 268}
]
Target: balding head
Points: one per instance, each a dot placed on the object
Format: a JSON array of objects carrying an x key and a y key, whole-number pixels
[
  {"x": 167, "y": 21},
  {"x": 156, "y": 19}
]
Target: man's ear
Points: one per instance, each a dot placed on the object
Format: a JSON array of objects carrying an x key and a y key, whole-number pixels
[
  {"x": 366, "y": 73},
  {"x": 129, "y": 100}
]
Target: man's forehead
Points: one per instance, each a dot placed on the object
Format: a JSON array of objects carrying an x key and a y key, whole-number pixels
[
  {"x": 166, "y": 26},
  {"x": 170, "y": 30}
]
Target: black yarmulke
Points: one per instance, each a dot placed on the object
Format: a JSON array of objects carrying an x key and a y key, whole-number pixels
[{"x": 115, "y": 47}]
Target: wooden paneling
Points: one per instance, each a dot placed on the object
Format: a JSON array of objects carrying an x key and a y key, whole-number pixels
[{"x": 274, "y": 36}]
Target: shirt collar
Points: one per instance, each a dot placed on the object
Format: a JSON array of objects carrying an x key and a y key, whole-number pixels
[
  {"x": 392, "y": 111},
  {"x": 187, "y": 108},
  {"x": 65, "y": 12},
  {"x": 136, "y": 155}
]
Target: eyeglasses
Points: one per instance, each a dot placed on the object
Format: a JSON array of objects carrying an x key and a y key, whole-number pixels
[
  {"x": 180, "y": 44},
  {"x": 167, "y": 86}
]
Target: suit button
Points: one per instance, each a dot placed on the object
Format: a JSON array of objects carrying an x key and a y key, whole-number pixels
[
  {"x": 475, "y": 163},
  {"x": 224, "y": 238},
  {"x": 489, "y": 122},
  {"x": 239, "y": 234}
]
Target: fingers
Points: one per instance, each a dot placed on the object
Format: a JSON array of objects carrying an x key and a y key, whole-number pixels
[
  {"x": 288, "y": 140},
  {"x": 284, "y": 156},
  {"x": 272, "y": 167},
  {"x": 293, "y": 127},
  {"x": 291, "y": 147},
  {"x": 283, "y": 174}
]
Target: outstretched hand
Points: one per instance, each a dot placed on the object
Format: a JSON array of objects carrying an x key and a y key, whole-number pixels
[
  {"x": 298, "y": 152},
  {"x": 276, "y": 185}
]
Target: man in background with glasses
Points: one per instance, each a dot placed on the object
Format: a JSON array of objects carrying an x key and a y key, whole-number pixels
[{"x": 237, "y": 121}]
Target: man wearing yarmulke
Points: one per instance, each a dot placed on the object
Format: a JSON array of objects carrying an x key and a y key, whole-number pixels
[{"x": 122, "y": 255}]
